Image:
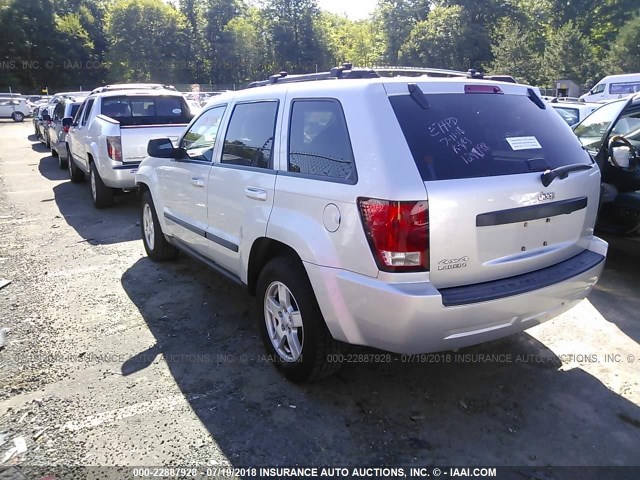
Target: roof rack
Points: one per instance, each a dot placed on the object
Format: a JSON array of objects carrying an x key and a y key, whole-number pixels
[
  {"x": 417, "y": 71},
  {"x": 347, "y": 71}
]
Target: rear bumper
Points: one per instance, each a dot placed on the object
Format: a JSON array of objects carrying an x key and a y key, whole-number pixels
[
  {"x": 412, "y": 317},
  {"x": 119, "y": 175}
]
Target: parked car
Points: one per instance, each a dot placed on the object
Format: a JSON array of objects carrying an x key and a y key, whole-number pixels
[
  {"x": 411, "y": 215},
  {"x": 14, "y": 108},
  {"x": 46, "y": 116},
  {"x": 611, "y": 135},
  {"x": 108, "y": 137},
  {"x": 574, "y": 112},
  {"x": 38, "y": 110},
  {"x": 56, "y": 132},
  {"x": 612, "y": 87}
]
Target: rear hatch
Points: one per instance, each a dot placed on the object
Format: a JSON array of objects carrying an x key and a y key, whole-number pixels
[
  {"x": 481, "y": 150},
  {"x": 143, "y": 117}
]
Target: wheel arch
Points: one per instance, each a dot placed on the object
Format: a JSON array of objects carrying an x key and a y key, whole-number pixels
[{"x": 263, "y": 250}]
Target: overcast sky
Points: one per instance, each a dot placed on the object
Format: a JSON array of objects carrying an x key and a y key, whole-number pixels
[{"x": 354, "y": 9}]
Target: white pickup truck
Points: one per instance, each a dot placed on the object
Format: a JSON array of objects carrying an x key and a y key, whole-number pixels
[{"x": 109, "y": 134}]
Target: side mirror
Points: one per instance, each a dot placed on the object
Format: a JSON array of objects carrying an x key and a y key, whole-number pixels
[
  {"x": 67, "y": 121},
  {"x": 46, "y": 117},
  {"x": 162, "y": 148},
  {"x": 620, "y": 156}
]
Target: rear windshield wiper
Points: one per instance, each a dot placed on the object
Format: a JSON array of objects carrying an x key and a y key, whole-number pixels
[
  {"x": 536, "y": 99},
  {"x": 418, "y": 96},
  {"x": 562, "y": 172}
]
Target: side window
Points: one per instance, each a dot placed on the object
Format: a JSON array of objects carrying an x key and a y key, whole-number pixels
[
  {"x": 87, "y": 111},
  {"x": 628, "y": 124},
  {"x": 624, "y": 88},
  {"x": 79, "y": 113},
  {"x": 249, "y": 139},
  {"x": 598, "y": 88},
  {"x": 58, "y": 112},
  {"x": 319, "y": 142},
  {"x": 200, "y": 140}
]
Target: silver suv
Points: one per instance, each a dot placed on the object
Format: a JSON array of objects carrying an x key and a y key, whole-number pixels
[{"x": 412, "y": 215}]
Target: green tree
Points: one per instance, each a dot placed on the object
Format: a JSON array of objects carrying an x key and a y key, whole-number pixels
[
  {"x": 296, "y": 40},
  {"x": 569, "y": 55},
  {"x": 218, "y": 40},
  {"x": 147, "y": 41},
  {"x": 516, "y": 51},
  {"x": 446, "y": 39},
  {"x": 396, "y": 19},
  {"x": 624, "y": 56},
  {"x": 253, "y": 57},
  {"x": 360, "y": 43}
]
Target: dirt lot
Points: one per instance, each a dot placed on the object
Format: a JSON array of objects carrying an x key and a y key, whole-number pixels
[{"x": 114, "y": 360}]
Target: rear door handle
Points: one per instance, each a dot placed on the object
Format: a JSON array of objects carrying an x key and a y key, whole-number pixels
[
  {"x": 256, "y": 193},
  {"x": 197, "y": 181}
]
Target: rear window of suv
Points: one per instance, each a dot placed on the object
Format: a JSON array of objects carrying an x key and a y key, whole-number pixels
[
  {"x": 146, "y": 110},
  {"x": 484, "y": 135}
]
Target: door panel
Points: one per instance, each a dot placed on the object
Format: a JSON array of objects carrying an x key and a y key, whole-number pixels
[
  {"x": 242, "y": 183},
  {"x": 184, "y": 182}
]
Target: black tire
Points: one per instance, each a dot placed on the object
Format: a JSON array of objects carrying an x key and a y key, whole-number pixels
[
  {"x": 320, "y": 352},
  {"x": 62, "y": 162},
  {"x": 18, "y": 117},
  {"x": 46, "y": 140},
  {"x": 160, "y": 250},
  {"x": 101, "y": 194},
  {"x": 55, "y": 154},
  {"x": 75, "y": 174}
]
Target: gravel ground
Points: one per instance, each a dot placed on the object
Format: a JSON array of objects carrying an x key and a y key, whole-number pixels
[{"x": 114, "y": 360}]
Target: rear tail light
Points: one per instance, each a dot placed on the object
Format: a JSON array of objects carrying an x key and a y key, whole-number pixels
[
  {"x": 398, "y": 233},
  {"x": 114, "y": 148}
]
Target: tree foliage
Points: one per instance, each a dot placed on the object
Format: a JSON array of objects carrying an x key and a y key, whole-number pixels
[
  {"x": 147, "y": 40},
  {"x": 65, "y": 44}
]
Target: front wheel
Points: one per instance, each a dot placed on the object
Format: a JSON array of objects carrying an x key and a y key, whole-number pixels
[
  {"x": 18, "y": 117},
  {"x": 155, "y": 244},
  {"x": 293, "y": 330},
  {"x": 101, "y": 194}
]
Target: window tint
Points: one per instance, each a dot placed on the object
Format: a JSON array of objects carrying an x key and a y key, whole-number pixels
[
  {"x": 319, "y": 141},
  {"x": 87, "y": 111},
  {"x": 249, "y": 139},
  {"x": 592, "y": 129},
  {"x": 569, "y": 115},
  {"x": 483, "y": 135},
  {"x": 624, "y": 88},
  {"x": 78, "y": 115},
  {"x": 74, "y": 109},
  {"x": 598, "y": 88},
  {"x": 146, "y": 110},
  {"x": 58, "y": 112},
  {"x": 200, "y": 140}
]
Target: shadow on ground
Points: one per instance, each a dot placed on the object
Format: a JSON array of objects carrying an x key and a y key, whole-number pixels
[
  {"x": 503, "y": 403},
  {"x": 119, "y": 223},
  {"x": 49, "y": 168}
]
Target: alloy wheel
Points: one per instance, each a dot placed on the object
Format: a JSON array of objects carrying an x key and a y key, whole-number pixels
[
  {"x": 147, "y": 225},
  {"x": 284, "y": 322}
]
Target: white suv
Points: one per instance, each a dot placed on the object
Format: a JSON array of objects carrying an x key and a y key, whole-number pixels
[{"x": 412, "y": 215}]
